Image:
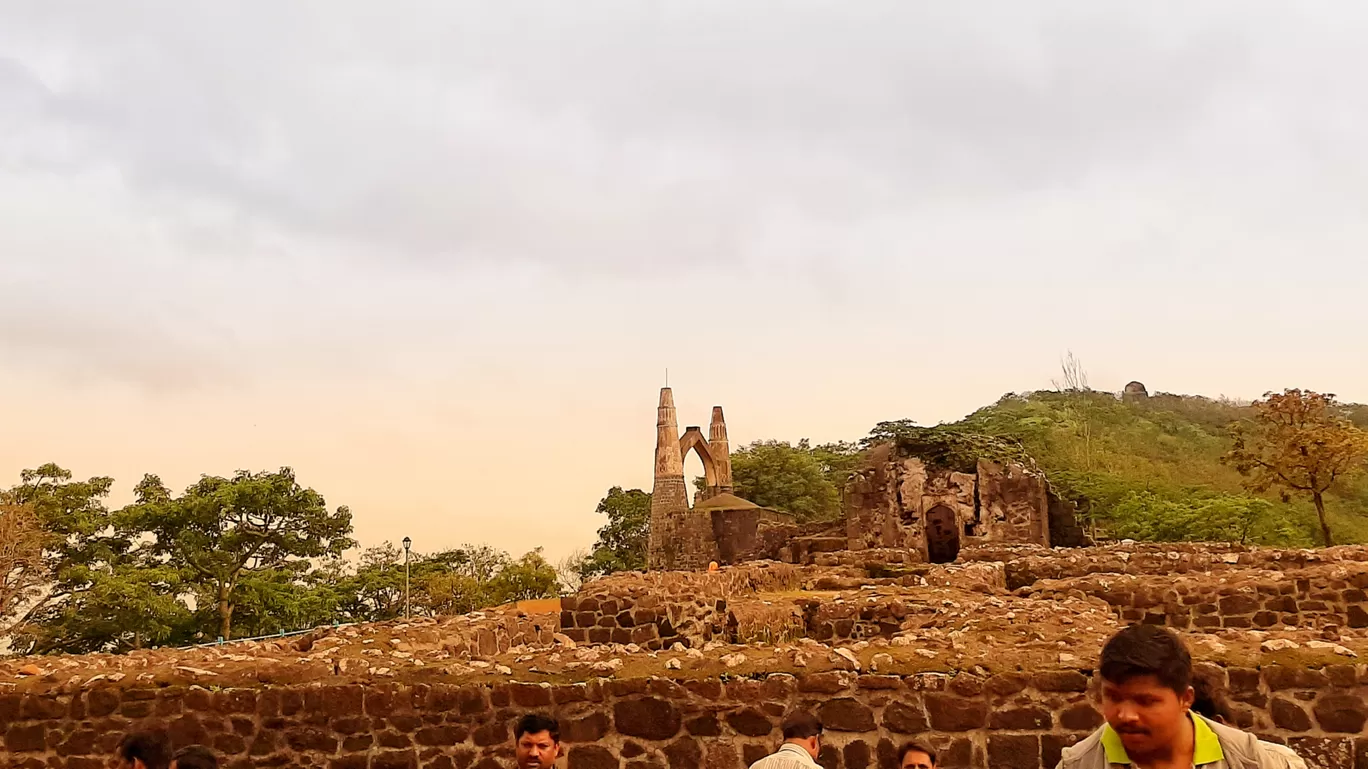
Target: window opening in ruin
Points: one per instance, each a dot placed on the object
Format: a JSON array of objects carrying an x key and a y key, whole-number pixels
[
  {"x": 942, "y": 535},
  {"x": 693, "y": 470}
]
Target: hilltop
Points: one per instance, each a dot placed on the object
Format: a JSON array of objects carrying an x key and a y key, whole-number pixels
[{"x": 1149, "y": 467}]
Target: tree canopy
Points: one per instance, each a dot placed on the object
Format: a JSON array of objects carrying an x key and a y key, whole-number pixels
[{"x": 1300, "y": 441}]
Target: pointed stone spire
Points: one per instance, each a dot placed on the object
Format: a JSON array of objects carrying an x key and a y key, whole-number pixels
[
  {"x": 721, "y": 450},
  {"x": 669, "y": 495}
]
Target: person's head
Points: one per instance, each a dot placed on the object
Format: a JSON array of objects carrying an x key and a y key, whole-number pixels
[
  {"x": 194, "y": 757},
  {"x": 914, "y": 756},
  {"x": 149, "y": 749},
  {"x": 804, "y": 730},
  {"x": 1146, "y": 688},
  {"x": 537, "y": 741}
]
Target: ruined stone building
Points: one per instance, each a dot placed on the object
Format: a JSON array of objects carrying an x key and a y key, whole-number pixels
[
  {"x": 919, "y": 506},
  {"x": 719, "y": 525}
]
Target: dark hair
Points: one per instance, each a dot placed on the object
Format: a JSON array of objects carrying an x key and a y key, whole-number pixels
[
  {"x": 536, "y": 722},
  {"x": 912, "y": 747},
  {"x": 196, "y": 757},
  {"x": 151, "y": 746},
  {"x": 1147, "y": 650},
  {"x": 800, "y": 726}
]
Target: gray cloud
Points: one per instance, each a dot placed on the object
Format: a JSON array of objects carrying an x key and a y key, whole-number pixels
[{"x": 617, "y": 135}]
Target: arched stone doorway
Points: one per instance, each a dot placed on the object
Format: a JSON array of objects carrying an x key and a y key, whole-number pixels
[{"x": 942, "y": 535}]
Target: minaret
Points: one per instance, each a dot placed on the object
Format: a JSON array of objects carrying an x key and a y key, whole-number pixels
[
  {"x": 721, "y": 451},
  {"x": 669, "y": 496}
]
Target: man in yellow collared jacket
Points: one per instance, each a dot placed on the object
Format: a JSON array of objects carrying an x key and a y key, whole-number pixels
[{"x": 1147, "y": 696}]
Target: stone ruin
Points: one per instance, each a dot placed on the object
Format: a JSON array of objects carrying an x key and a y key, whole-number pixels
[
  {"x": 898, "y": 502},
  {"x": 989, "y": 660}
]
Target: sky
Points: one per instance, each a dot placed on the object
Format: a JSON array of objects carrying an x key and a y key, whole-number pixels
[{"x": 437, "y": 257}]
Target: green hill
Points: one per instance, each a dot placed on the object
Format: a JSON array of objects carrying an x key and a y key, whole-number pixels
[{"x": 1149, "y": 468}]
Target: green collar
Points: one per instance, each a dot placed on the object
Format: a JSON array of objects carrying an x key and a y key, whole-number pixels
[{"x": 1206, "y": 747}]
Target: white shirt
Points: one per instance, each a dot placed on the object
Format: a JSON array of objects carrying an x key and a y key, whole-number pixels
[{"x": 789, "y": 756}]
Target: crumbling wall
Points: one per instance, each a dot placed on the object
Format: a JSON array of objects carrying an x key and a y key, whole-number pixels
[
  {"x": 1329, "y": 595},
  {"x": 1011, "y": 720},
  {"x": 899, "y": 502}
]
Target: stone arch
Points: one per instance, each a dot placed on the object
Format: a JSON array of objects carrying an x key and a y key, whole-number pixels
[
  {"x": 693, "y": 440},
  {"x": 942, "y": 535}
]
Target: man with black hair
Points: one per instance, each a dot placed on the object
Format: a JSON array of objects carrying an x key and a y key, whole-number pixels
[
  {"x": 194, "y": 757},
  {"x": 536, "y": 741},
  {"x": 1147, "y": 696},
  {"x": 913, "y": 756},
  {"x": 148, "y": 749},
  {"x": 802, "y": 742}
]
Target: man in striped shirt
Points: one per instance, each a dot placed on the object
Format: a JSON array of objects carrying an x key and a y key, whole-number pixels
[{"x": 802, "y": 741}]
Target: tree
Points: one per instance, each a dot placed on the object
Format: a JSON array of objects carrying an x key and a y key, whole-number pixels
[
  {"x": 225, "y": 534},
  {"x": 87, "y": 562},
  {"x": 23, "y": 572},
  {"x": 570, "y": 571},
  {"x": 1299, "y": 441},
  {"x": 779, "y": 475},
  {"x": 622, "y": 542}
]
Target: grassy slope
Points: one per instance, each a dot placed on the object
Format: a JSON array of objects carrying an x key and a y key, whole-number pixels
[{"x": 1163, "y": 452}]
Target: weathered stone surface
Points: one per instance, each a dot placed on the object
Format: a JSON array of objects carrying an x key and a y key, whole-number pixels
[
  {"x": 592, "y": 757},
  {"x": 1080, "y": 717},
  {"x": 857, "y": 755},
  {"x": 1341, "y": 713},
  {"x": 846, "y": 714},
  {"x": 590, "y": 728},
  {"x": 905, "y": 718},
  {"x": 1022, "y": 719},
  {"x": 953, "y": 714},
  {"x": 1289, "y": 715},
  {"x": 1007, "y": 751},
  {"x": 750, "y": 722},
  {"x": 684, "y": 754},
  {"x": 647, "y": 717}
]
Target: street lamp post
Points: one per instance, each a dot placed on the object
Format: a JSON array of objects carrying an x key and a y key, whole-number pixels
[{"x": 407, "y": 544}]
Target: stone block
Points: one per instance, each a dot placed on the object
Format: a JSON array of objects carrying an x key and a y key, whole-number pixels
[
  {"x": 684, "y": 753},
  {"x": 1080, "y": 717},
  {"x": 592, "y": 757},
  {"x": 750, "y": 723},
  {"x": 590, "y": 728},
  {"x": 1029, "y": 718},
  {"x": 949, "y": 713},
  {"x": 1289, "y": 715},
  {"x": 905, "y": 717},
  {"x": 648, "y": 718},
  {"x": 1060, "y": 681},
  {"x": 846, "y": 714},
  {"x": 1341, "y": 713},
  {"x": 857, "y": 755},
  {"x": 1007, "y": 751}
]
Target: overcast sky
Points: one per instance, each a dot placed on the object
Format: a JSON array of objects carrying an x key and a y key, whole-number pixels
[{"x": 437, "y": 256}]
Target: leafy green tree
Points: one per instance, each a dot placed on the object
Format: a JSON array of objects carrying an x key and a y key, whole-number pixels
[
  {"x": 1298, "y": 441},
  {"x": 1222, "y": 518},
  {"x": 98, "y": 597},
  {"x": 226, "y": 535},
  {"x": 622, "y": 542},
  {"x": 780, "y": 475},
  {"x": 23, "y": 571}
]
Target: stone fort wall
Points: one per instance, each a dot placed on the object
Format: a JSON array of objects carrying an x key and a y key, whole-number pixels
[{"x": 1006, "y": 721}]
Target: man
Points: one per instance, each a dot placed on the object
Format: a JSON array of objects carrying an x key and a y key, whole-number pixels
[
  {"x": 536, "y": 741},
  {"x": 194, "y": 757},
  {"x": 1147, "y": 696},
  {"x": 802, "y": 742},
  {"x": 914, "y": 756},
  {"x": 150, "y": 749}
]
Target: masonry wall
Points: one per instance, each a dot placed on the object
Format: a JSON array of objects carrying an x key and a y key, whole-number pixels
[
  {"x": 1306, "y": 599},
  {"x": 1006, "y": 721}
]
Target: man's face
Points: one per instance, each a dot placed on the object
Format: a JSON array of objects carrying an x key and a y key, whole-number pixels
[
  {"x": 537, "y": 750},
  {"x": 915, "y": 759},
  {"x": 1146, "y": 714}
]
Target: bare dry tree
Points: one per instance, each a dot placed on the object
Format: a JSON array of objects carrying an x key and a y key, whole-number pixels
[{"x": 23, "y": 572}]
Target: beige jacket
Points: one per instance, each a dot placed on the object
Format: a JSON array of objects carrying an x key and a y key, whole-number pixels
[{"x": 1239, "y": 750}]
